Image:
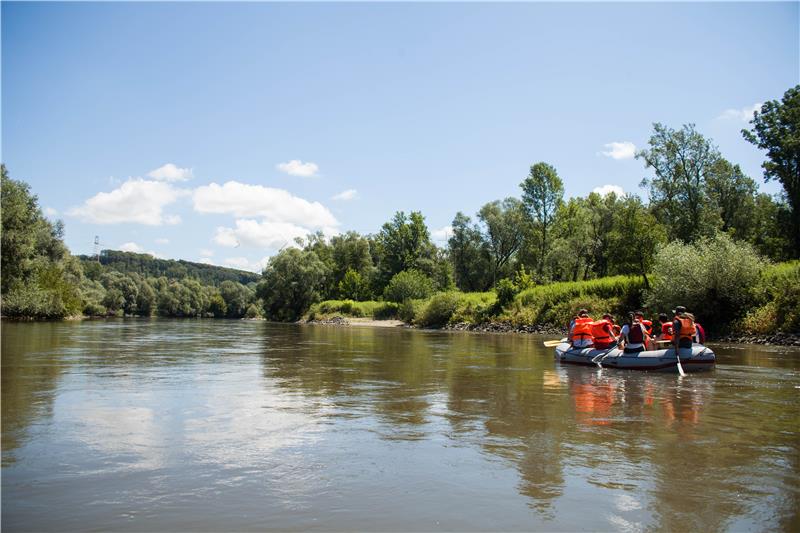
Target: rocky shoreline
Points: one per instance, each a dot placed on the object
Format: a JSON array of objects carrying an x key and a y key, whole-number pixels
[{"x": 775, "y": 339}]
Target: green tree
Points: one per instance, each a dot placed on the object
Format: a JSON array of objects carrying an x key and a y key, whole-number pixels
[
  {"x": 505, "y": 224},
  {"x": 408, "y": 285},
  {"x": 404, "y": 243},
  {"x": 469, "y": 255},
  {"x": 776, "y": 129},
  {"x": 733, "y": 193},
  {"x": 542, "y": 193},
  {"x": 237, "y": 298},
  {"x": 353, "y": 287},
  {"x": 291, "y": 282},
  {"x": 569, "y": 257},
  {"x": 682, "y": 161},
  {"x": 637, "y": 237}
]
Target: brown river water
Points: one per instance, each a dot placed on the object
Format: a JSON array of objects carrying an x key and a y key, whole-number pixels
[{"x": 215, "y": 425}]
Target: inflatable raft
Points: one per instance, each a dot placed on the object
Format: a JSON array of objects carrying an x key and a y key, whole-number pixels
[{"x": 697, "y": 359}]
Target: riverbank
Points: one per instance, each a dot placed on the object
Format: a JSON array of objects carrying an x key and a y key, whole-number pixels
[{"x": 778, "y": 339}]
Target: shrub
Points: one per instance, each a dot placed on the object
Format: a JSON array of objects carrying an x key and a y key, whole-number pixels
[
  {"x": 254, "y": 311},
  {"x": 408, "y": 285},
  {"x": 408, "y": 310},
  {"x": 506, "y": 291},
  {"x": 386, "y": 310},
  {"x": 714, "y": 278},
  {"x": 438, "y": 310}
]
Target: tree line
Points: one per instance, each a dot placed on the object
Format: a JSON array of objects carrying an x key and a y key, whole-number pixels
[{"x": 693, "y": 194}]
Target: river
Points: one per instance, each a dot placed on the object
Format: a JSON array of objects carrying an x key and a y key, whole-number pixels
[{"x": 153, "y": 425}]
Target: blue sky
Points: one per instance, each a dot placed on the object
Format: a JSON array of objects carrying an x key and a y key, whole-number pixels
[{"x": 217, "y": 132}]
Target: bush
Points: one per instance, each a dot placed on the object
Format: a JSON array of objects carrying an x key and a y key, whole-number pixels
[
  {"x": 409, "y": 309},
  {"x": 408, "y": 285},
  {"x": 254, "y": 311},
  {"x": 778, "y": 301},
  {"x": 386, "y": 311},
  {"x": 506, "y": 292},
  {"x": 715, "y": 278},
  {"x": 438, "y": 310}
]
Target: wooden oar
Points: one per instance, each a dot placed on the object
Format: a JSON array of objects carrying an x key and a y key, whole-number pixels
[
  {"x": 678, "y": 359},
  {"x": 598, "y": 359},
  {"x": 551, "y": 344}
]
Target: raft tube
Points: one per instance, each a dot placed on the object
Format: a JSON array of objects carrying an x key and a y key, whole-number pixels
[{"x": 696, "y": 359}]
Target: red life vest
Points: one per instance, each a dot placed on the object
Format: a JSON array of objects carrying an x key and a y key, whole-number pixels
[
  {"x": 666, "y": 331},
  {"x": 636, "y": 333},
  {"x": 582, "y": 328},
  {"x": 600, "y": 331},
  {"x": 648, "y": 326},
  {"x": 687, "y": 327}
]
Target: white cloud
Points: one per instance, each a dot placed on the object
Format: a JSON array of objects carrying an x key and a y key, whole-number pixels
[
  {"x": 131, "y": 247},
  {"x": 744, "y": 114},
  {"x": 206, "y": 260},
  {"x": 50, "y": 212},
  {"x": 442, "y": 234},
  {"x": 272, "y": 235},
  {"x": 295, "y": 167},
  {"x": 170, "y": 172},
  {"x": 274, "y": 205},
  {"x": 349, "y": 194},
  {"x": 162, "y": 240},
  {"x": 206, "y": 252},
  {"x": 606, "y": 189},
  {"x": 243, "y": 263},
  {"x": 620, "y": 150},
  {"x": 136, "y": 201}
]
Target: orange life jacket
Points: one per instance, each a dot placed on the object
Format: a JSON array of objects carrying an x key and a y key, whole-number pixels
[
  {"x": 582, "y": 328},
  {"x": 687, "y": 328},
  {"x": 648, "y": 326},
  {"x": 600, "y": 331},
  {"x": 666, "y": 331}
]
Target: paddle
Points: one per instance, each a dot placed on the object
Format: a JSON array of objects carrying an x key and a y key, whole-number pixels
[
  {"x": 551, "y": 344},
  {"x": 678, "y": 359},
  {"x": 597, "y": 359}
]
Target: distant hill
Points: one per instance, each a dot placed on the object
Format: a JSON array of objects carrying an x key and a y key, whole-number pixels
[{"x": 147, "y": 265}]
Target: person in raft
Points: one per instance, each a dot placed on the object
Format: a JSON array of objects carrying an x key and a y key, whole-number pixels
[
  {"x": 603, "y": 332},
  {"x": 580, "y": 330},
  {"x": 683, "y": 328},
  {"x": 633, "y": 336},
  {"x": 700, "y": 334},
  {"x": 648, "y": 328},
  {"x": 666, "y": 328}
]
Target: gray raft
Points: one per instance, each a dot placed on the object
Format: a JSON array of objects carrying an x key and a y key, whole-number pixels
[{"x": 696, "y": 359}]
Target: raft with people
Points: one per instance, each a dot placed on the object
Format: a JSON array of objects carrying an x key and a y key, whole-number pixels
[{"x": 678, "y": 347}]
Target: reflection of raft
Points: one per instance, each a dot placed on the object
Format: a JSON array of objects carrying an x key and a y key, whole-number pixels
[{"x": 694, "y": 360}]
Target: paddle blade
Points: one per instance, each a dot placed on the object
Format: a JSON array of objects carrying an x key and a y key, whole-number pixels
[{"x": 552, "y": 344}]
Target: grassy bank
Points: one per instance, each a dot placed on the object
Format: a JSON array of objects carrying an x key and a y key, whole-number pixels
[{"x": 774, "y": 304}]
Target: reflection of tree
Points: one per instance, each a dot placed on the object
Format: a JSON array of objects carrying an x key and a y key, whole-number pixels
[
  {"x": 31, "y": 367},
  {"x": 389, "y": 370}
]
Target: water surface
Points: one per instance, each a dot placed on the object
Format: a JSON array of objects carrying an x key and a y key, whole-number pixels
[{"x": 152, "y": 425}]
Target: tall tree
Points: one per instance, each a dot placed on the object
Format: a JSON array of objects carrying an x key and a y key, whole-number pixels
[
  {"x": 542, "y": 193},
  {"x": 292, "y": 282},
  {"x": 571, "y": 249},
  {"x": 681, "y": 161},
  {"x": 404, "y": 243},
  {"x": 776, "y": 129},
  {"x": 733, "y": 194},
  {"x": 636, "y": 238},
  {"x": 469, "y": 255},
  {"x": 505, "y": 228}
]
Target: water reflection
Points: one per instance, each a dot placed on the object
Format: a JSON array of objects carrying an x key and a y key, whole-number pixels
[{"x": 152, "y": 421}]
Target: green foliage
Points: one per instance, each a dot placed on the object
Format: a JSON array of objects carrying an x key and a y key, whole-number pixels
[
  {"x": 404, "y": 244},
  {"x": 237, "y": 298},
  {"x": 505, "y": 226},
  {"x": 506, "y": 291},
  {"x": 555, "y": 304},
  {"x": 353, "y": 286},
  {"x": 386, "y": 311},
  {"x": 291, "y": 282},
  {"x": 714, "y": 278},
  {"x": 148, "y": 266},
  {"x": 469, "y": 255},
  {"x": 329, "y": 308},
  {"x": 438, "y": 309},
  {"x": 409, "y": 309},
  {"x": 542, "y": 194},
  {"x": 776, "y": 129},
  {"x": 777, "y": 296},
  {"x": 408, "y": 285},
  {"x": 254, "y": 310}
]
